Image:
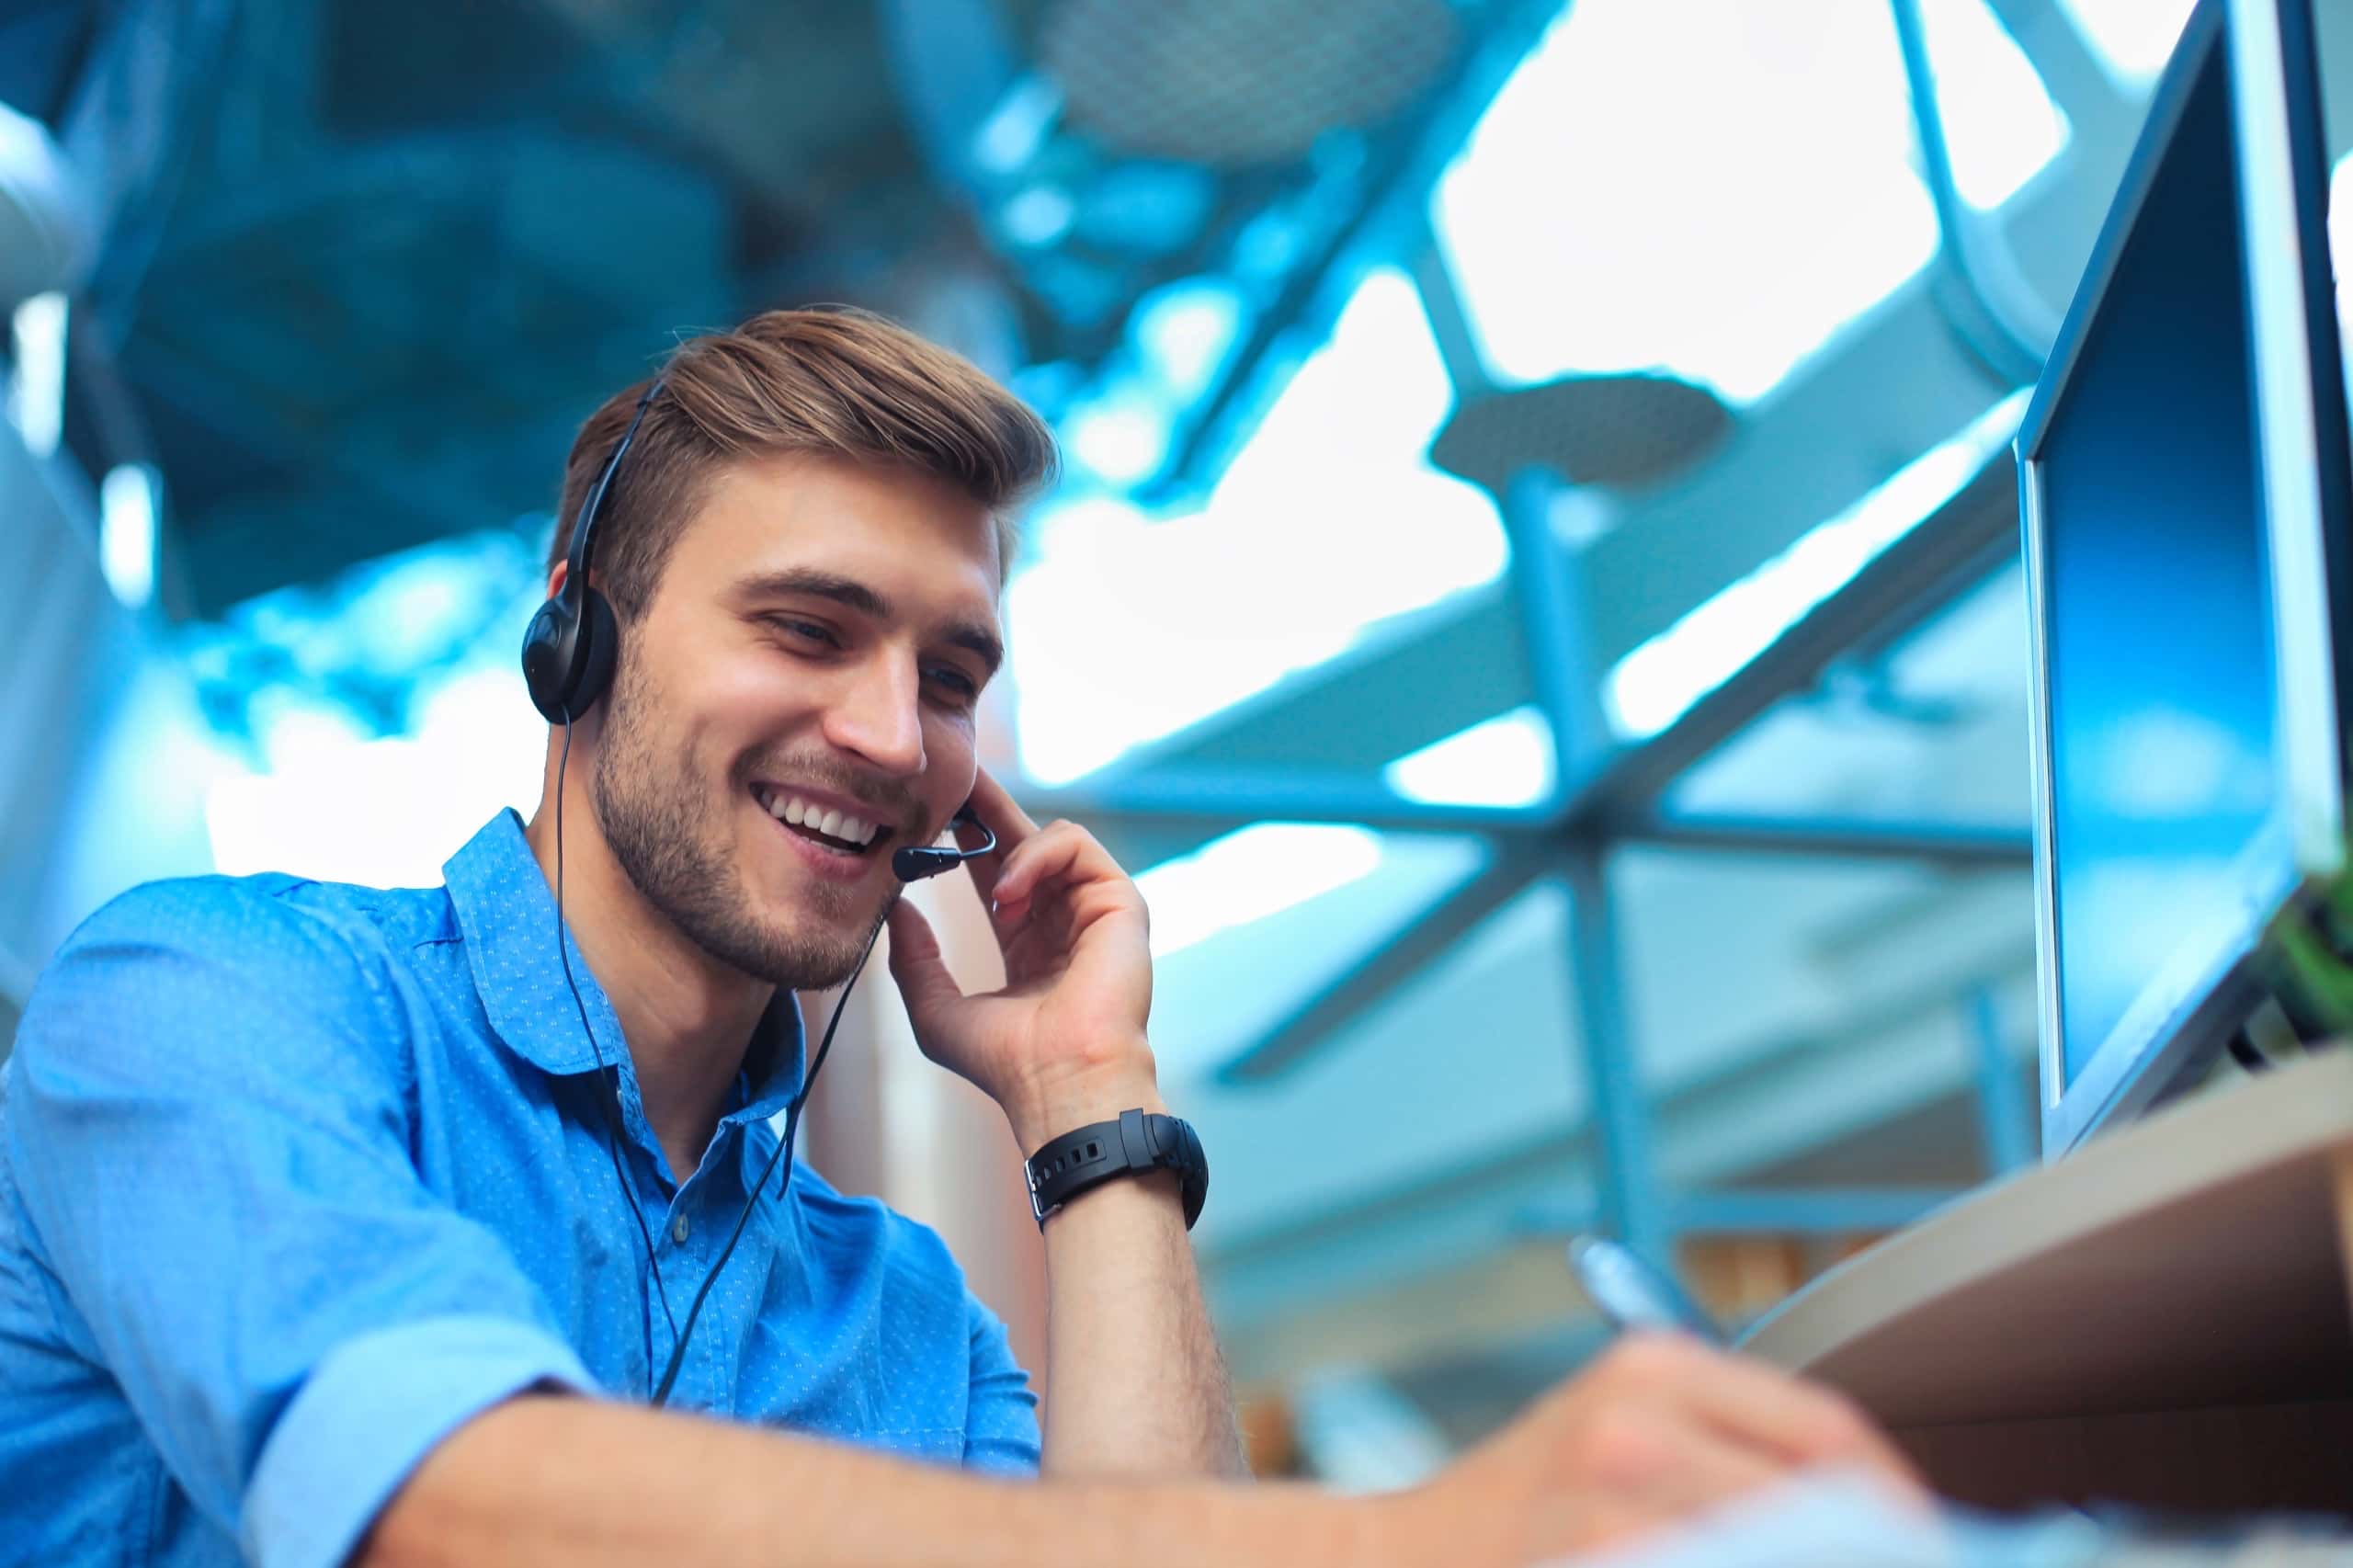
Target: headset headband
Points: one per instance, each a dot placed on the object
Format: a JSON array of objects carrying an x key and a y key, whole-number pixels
[{"x": 583, "y": 527}]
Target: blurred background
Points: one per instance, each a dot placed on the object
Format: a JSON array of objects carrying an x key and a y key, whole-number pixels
[{"x": 1533, "y": 594}]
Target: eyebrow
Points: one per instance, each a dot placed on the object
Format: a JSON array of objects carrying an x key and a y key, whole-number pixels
[{"x": 849, "y": 591}]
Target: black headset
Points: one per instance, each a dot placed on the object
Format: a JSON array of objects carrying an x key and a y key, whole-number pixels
[
  {"x": 569, "y": 652},
  {"x": 568, "y": 648}
]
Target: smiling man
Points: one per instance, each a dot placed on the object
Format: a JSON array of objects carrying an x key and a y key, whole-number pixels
[{"x": 342, "y": 1223}]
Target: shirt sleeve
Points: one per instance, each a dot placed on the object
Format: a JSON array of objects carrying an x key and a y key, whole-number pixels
[
  {"x": 209, "y": 1115},
  {"x": 1001, "y": 1424}
]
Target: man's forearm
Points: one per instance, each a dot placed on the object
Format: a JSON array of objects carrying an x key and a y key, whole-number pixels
[
  {"x": 580, "y": 1483},
  {"x": 1134, "y": 1383}
]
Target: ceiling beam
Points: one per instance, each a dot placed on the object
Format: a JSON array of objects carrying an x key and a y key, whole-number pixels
[
  {"x": 1798, "y": 459},
  {"x": 1370, "y": 980},
  {"x": 1954, "y": 847}
]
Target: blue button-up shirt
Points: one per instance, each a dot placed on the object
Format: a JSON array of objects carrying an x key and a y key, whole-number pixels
[{"x": 296, "y": 1178}]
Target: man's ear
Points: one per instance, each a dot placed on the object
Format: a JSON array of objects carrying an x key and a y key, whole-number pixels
[{"x": 556, "y": 575}]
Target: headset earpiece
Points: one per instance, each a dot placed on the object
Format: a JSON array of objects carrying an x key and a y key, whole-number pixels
[
  {"x": 569, "y": 648},
  {"x": 568, "y": 656},
  {"x": 548, "y": 644}
]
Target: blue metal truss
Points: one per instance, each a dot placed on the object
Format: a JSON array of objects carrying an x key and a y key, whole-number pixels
[{"x": 1605, "y": 795}]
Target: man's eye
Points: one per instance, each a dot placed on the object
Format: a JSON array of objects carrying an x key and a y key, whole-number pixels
[
  {"x": 956, "y": 681},
  {"x": 808, "y": 629}
]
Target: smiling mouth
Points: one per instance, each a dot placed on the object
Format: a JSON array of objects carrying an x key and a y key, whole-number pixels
[{"x": 836, "y": 830}]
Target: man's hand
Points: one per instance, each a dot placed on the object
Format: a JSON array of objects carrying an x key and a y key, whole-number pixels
[
  {"x": 1134, "y": 1385},
  {"x": 1658, "y": 1429},
  {"x": 1062, "y": 1043}
]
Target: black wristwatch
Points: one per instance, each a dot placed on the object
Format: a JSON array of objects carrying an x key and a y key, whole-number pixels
[{"x": 1137, "y": 1143}]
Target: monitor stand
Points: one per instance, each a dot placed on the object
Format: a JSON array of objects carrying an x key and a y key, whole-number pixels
[{"x": 2164, "y": 1317}]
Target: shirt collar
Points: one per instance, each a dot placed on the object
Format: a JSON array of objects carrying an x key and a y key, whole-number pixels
[{"x": 505, "y": 913}]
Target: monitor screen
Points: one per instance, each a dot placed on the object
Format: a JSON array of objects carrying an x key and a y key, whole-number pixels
[{"x": 2161, "y": 703}]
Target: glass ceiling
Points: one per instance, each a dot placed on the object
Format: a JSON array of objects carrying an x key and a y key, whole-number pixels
[
  {"x": 2133, "y": 38},
  {"x": 1724, "y": 184},
  {"x": 1124, "y": 627},
  {"x": 1656, "y": 683},
  {"x": 1788, "y": 146}
]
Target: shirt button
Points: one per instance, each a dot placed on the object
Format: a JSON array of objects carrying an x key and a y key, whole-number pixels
[{"x": 678, "y": 1229}]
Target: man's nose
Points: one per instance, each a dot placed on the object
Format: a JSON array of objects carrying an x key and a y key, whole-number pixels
[{"x": 877, "y": 716}]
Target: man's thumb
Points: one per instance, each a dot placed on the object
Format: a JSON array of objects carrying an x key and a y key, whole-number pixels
[{"x": 915, "y": 963}]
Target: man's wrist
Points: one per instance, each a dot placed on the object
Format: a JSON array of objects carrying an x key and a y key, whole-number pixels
[{"x": 1050, "y": 1104}]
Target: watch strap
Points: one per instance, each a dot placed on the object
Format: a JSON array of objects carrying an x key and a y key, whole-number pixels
[{"x": 1139, "y": 1142}]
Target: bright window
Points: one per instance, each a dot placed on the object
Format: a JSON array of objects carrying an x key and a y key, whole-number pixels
[
  {"x": 2133, "y": 38},
  {"x": 1125, "y": 628},
  {"x": 1714, "y": 187},
  {"x": 1655, "y": 684}
]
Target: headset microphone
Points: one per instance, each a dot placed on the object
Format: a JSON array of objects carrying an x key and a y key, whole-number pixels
[{"x": 915, "y": 862}]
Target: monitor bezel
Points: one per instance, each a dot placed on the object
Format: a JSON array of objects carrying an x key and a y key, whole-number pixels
[
  {"x": 2302, "y": 436},
  {"x": 2180, "y": 1021}
]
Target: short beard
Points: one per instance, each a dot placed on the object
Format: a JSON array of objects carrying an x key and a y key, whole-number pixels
[{"x": 657, "y": 817}]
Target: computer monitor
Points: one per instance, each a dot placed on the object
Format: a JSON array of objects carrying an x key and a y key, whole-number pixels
[{"x": 2184, "y": 492}]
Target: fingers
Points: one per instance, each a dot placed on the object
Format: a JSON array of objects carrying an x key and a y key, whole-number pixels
[
  {"x": 917, "y": 965},
  {"x": 1768, "y": 1411},
  {"x": 1659, "y": 1428},
  {"x": 1062, "y": 856},
  {"x": 999, "y": 809},
  {"x": 1059, "y": 851},
  {"x": 1667, "y": 1465},
  {"x": 1031, "y": 858},
  {"x": 1806, "y": 1423},
  {"x": 1006, "y": 819}
]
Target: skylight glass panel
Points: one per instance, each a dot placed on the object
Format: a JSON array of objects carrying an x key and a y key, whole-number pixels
[
  {"x": 2133, "y": 39},
  {"x": 474, "y": 745},
  {"x": 1250, "y": 874},
  {"x": 1655, "y": 684},
  {"x": 1714, "y": 187},
  {"x": 391, "y": 697},
  {"x": 1505, "y": 761},
  {"x": 1999, "y": 121},
  {"x": 1125, "y": 628}
]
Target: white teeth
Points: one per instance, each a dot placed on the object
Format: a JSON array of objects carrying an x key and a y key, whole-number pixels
[{"x": 795, "y": 812}]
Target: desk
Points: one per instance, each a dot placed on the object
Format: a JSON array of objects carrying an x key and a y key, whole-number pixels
[{"x": 2163, "y": 1317}]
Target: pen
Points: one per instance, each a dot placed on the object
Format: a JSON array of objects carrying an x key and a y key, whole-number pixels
[{"x": 1632, "y": 1293}]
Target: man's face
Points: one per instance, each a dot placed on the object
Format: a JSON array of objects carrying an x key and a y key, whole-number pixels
[{"x": 813, "y": 651}]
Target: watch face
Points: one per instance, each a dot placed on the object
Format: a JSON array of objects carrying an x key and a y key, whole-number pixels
[{"x": 1195, "y": 1174}]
